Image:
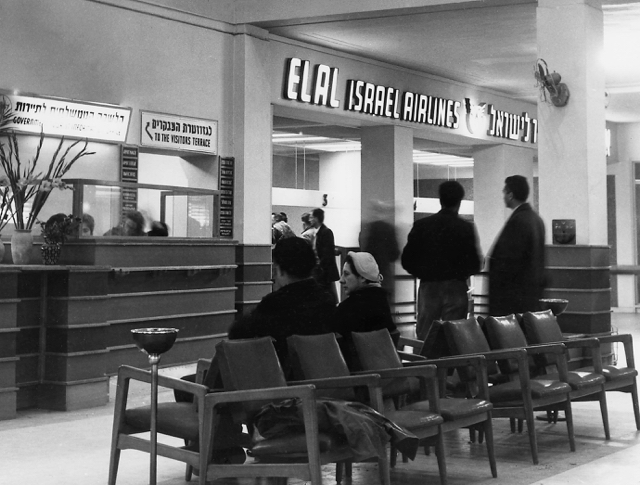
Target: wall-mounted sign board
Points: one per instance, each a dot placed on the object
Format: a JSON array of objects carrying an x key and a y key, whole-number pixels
[
  {"x": 69, "y": 118},
  {"x": 159, "y": 130}
]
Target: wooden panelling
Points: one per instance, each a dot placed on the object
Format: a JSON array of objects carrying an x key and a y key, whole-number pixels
[{"x": 66, "y": 345}]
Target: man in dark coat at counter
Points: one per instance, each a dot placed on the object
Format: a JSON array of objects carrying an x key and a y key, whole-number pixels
[
  {"x": 442, "y": 251},
  {"x": 326, "y": 273},
  {"x": 298, "y": 305},
  {"x": 516, "y": 263}
]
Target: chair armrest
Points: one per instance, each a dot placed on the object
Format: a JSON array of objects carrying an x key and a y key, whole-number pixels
[
  {"x": 202, "y": 367},
  {"x": 559, "y": 349},
  {"x": 127, "y": 373},
  {"x": 478, "y": 362},
  {"x": 408, "y": 356},
  {"x": 410, "y": 342},
  {"x": 426, "y": 374},
  {"x": 594, "y": 346},
  {"x": 300, "y": 391},
  {"x": 627, "y": 341},
  {"x": 368, "y": 380}
]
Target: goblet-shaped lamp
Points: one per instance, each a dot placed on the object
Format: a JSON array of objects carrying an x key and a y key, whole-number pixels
[
  {"x": 556, "y": 305},
  {"x": 154, "y": 342}
]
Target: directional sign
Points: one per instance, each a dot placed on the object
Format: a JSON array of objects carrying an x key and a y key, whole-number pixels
[{"x": 178, "y": 133}]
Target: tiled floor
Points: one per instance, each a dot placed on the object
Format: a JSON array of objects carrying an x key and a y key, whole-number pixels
[{"x": 50, "y": 448}]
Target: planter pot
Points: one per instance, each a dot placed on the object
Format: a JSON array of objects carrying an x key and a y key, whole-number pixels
[
  {"x": 51, "y": 253},
  {"x": 21, "y": 244}
]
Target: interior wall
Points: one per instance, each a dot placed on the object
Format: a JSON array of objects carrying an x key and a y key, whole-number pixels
[{"x": 93, "y": 52}]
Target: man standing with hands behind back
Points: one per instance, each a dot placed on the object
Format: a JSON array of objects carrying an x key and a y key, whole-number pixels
[
  {"x": 516, "y": 263},
  {"x": 442, "y": 250}
]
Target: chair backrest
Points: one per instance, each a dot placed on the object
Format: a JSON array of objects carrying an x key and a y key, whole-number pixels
[
  {"x": 505, "y": 333},
  {"x": 435, "y": 343},
  {"x": 542, "y": 328},
  {"x": 465, "y": 337},
  {"x": 249, "y": 364},
  {"x": 319, "y": 357},
  {"x": 376, "y": 351}
]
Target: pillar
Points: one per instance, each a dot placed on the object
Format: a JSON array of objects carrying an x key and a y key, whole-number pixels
[
  {"x": 572, "y": 163},
  {"x": 627, "y": 143},
  {"x": 387, "y": 176},
  {"x": 252, "y": 127}
]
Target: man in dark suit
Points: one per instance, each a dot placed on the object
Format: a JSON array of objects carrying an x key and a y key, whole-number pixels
[
  {"x": 298, "y": 305},
  {"x": 326, "y": 272},
  {"x": 516, "y": 263},
  {"x": 442, "y": 251}
]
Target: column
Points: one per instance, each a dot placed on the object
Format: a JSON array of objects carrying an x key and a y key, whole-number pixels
[
  {"x": 625, "y": 151},
  {"x": 387, "y": 176},
  {"x": 572, "y": 164},
  {"x": 252, "y": 127}
]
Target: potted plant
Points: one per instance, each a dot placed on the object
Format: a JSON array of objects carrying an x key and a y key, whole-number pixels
[
  {"x": 28, "y": 189},
  {"x": 5, "y": 206},
  {"x": 55, "y": 231}
]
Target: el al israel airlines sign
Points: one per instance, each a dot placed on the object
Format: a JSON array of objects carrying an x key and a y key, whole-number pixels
[{"x": 318, "y": 85}]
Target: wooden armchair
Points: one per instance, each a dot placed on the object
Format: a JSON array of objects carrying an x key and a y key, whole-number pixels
[
  {"x": 520, "y": 396},
  {"x": 377, "y": 353},
  {"x": 319, "y": 356},
  {"x": 251, "y": 368},
  {"x": 542, "y": 327},
  {"x": 194, "y": 422},
  {"x": 202, "y": 422}
]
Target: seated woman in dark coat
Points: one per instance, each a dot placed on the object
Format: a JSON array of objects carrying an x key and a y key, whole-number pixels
[{"x": 366, "y": 308}]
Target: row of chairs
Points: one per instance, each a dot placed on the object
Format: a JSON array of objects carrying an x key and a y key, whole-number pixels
[
  {"x": 410, "y": 389},
  {"x": 528, "y": 366}
]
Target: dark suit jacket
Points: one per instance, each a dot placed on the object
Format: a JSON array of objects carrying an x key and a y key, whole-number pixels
[
  {"x": 516, "y": 265},
  {"x": 441, "y": 247},
  {"x": 327, "y": 270}
]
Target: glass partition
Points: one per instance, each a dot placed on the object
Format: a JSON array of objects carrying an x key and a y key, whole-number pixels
[{"x": 187, "y": 212}]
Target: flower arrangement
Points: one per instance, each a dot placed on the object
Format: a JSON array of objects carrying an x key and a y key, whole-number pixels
[
  {"x": 5, "y": 201},
  {"x": 59, "y": 228},
  {"x": 22, "y": 185}
]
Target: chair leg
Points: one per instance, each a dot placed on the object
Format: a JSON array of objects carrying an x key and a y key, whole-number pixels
[
  {"x": 383, "y": 470},
  {"x": 636, "y": 407},
  {"x": 487, "y": 430},
  {"x": 512, "y": 423},
  {"x": 568, "y": 414},
  {"x": 113, "y": 464},
  {"x": 393, "y": 456},
  {"x": 339, "y": 466},
  {"x": 605, "y": 414},
  {"x": 472, "y": 434},
  {"x": 520, "y": 424},
  {"x": 315, "y": 472},
  {"x": 531, "y": 429},
  {"x": 442, "y": 464},
  {"x": 348, "y": 469},
  {"x": 188, "y": 473}
]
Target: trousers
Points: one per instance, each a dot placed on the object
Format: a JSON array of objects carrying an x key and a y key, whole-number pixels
[{"x": 440, "y": 300}]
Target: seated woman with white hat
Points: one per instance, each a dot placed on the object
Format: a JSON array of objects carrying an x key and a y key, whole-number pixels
[{"x": 366, "y": 307}]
